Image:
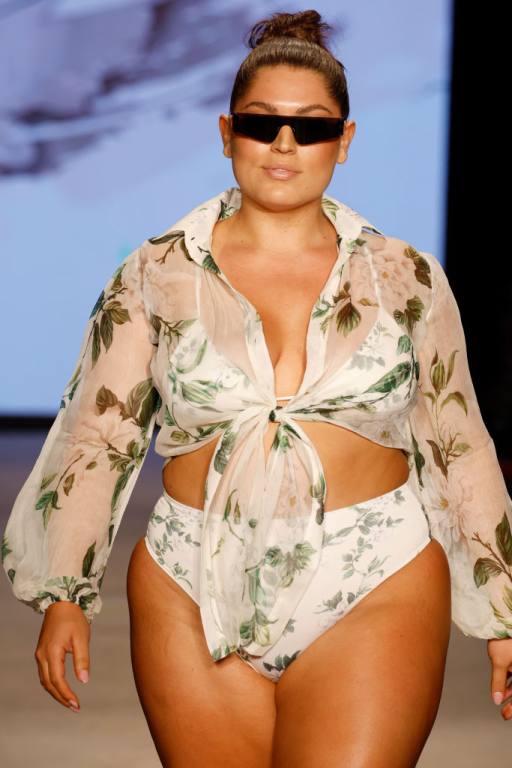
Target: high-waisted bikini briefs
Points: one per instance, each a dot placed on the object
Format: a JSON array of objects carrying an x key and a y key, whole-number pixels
[{"x": 363, "y": 545}]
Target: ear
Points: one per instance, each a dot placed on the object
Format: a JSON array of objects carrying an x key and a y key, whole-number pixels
[
  {"x": 226, "y": 133},
  {"x": 348, "y": 134}
]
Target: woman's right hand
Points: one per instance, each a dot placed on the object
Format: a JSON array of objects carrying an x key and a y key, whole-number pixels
[{"x": 65, "y": 629}]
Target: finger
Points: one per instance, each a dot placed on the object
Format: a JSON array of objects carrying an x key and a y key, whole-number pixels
[
  {"x": 508, "y": 693},
  {"x": 81, "y": 660},
  {"x": 48, "y": 685},
  {"x": 39, "y": 662},
  {"x": 506, "y": 712},
  {"x": 498, "y": 681},
  {"x": 56, "y": 671}
]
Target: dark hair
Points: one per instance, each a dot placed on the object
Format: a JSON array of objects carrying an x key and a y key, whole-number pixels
[{"x": 297, "y": 40}]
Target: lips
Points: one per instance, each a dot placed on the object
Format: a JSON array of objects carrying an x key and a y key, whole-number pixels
[{"x": 280, "y": 172}]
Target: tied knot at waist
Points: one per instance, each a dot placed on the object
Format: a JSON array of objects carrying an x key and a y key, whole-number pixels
[{"x": 276, "y": 414}]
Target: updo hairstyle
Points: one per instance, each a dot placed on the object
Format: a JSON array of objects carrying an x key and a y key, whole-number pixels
[{"x": 297, "y": 40}]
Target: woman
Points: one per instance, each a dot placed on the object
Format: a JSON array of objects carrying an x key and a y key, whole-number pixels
[{"x": 278, "y": 607}]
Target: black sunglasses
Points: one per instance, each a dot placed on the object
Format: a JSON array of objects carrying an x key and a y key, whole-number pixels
[{"x": 307, "y": 130}]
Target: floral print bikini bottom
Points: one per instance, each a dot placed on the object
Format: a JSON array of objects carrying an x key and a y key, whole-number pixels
[{"x": 363, "y": 544}]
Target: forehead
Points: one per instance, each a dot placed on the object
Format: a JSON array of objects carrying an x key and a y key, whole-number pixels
[{"x": 280, "y": 86}]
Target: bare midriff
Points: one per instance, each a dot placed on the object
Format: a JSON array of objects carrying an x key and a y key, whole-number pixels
[{"x": 355, "y": 468}]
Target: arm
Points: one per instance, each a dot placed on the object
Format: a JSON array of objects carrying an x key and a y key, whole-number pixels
[
  {"x": 466, "y": 499},
  {"x": 62, "y": 527}
]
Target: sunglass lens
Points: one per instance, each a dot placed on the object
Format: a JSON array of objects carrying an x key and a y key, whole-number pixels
[{"x": 265, "y": 128}]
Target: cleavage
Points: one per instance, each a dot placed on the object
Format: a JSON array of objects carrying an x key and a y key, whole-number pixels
[{"x": 284, "y": 299}]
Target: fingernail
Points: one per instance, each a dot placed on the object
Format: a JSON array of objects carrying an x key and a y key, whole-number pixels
[
  {"x": 498, "y": 697},
  {"x": 84, "y": 675},
  {"x": 73, "y": 703}
]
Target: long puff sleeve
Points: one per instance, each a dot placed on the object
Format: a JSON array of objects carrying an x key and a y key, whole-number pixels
[
  {"x": 65, "y": 518},
  {"x": 459, "y": 477}
]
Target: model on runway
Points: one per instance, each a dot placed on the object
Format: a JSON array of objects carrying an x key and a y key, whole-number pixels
[{"x": 291, "y": 601}]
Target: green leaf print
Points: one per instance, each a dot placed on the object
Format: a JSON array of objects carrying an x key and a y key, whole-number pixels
[
  {"x": 151, "y": 403},
  {"x": 196, "y": 361},
  {"x": 422, "y": 267},
  {"x": 410, "y": 316},
  {"x": 504, "y": 540},
  {"x": 47, "y": 502},
  {"x": 501, "y": 634},
  {"x": 256, "y": 591},
  {"x": 200, "y": 391},
  {"x": 222, "y": 650},
  {"x": 96, "y": 344},
  {"x": 97, "y": 305},
  {"x": 281, "y": 439},
  {"x": 498, "y": 560},
  {"x": 171, "y": 330},
  {"x": 457, "y": 397},
  {"x": 169, "y": 417},
  {"x": 68, "y": 483},
  {"x": 483, "y": 569},
  {"x": 208, "y": 262},
  {"x": 74, "y": 380},
  {"x": 256, "y": 629},
  {"x": 281, "y": 662},
  {"x": 105, "y": 398},
  {"x": 88, "y": 560},
  {"x": 419, "y": 459},
  {"x": 235, "y": 515},
  {"x": 135, "y": 398},
  {"x": 330, "y": 207},
  {"x": 321, "y": 308},
  {"x": 111, "y": 312},
  {"x": 317, "y": 491},
  {"x": 141, "y": 402},
  {"x": 296, "y": 561},
  {"x": 404, "y": 344},
  {"x": 348, "y": 317},
  {"x": 70, "y": 585},
  {"x": 107, "y": 329},
  {"x": 120, "y": 485},
  {"x": 50, "y": 499},
  {"x": 507, "y": 599},
  {"x": 47, "y": 481},
  {"x": 176, "y": 237},
  {"x": 226, "y": 210},
  {"x": 392, "y": 379},
  {"x": 139, "y": 406},
  {"x": 197, "y": 435},
  {"x": 286, "y": 565},
  {"x": 116, "y": 313},
  {"x": 274, "y": 556},
  {"x": 446, "y": 448},
  {"x": 224, "y": 452},
  {"x": 496, "y": 563},
  {"x": 5, "y": 548}
]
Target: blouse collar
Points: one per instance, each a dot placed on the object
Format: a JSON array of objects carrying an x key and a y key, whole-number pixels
[{"x": 198, "y": 224}]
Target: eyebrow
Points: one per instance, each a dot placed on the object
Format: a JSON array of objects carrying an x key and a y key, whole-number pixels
[{"x": 272, "y": 108}]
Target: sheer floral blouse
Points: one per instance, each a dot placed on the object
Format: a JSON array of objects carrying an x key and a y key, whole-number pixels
[{"x": 169, "y": 341}]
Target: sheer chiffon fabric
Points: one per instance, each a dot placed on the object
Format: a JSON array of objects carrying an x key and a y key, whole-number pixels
[{"x": 170, "y": 342}]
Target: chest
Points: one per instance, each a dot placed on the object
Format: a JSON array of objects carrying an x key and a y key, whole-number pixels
[{"x": 283, "y": 290}]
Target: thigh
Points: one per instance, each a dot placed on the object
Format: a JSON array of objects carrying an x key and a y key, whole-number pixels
[
  {"x": 367, "y": 691},
  {"x": 199, "y": 712}
]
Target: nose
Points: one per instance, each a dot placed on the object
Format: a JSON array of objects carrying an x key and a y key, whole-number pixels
[{"x": 285, "y": 138}]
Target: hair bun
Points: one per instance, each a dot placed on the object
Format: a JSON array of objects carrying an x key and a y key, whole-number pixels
[{"x": 306, "y": 25}]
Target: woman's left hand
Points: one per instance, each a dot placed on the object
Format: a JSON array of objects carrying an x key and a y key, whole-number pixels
[{"x": 500, "y": 654}]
